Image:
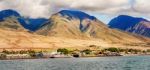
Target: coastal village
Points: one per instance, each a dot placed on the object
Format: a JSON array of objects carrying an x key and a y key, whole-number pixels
[{"x": 92, "y": 51}]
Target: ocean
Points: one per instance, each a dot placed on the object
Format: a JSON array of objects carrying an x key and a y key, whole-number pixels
[{"x": 91, "y": 63}]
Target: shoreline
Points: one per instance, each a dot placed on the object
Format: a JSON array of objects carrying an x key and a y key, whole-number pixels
[
  {"x": 66, "y": 53},
  {"x": 77, "y": 57}
]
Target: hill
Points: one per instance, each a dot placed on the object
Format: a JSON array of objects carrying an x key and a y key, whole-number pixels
[
  {"x": 65, "y": 29},
  {"x": 68, "y": 24},
  {"x": 130, "y": 24},
  {"x": 12, "y": 19}
]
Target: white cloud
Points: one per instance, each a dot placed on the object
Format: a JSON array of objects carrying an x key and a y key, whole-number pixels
[
  {"x": 44, "y": 8},
  {"x": 31, "y": 8},
  {"x": 142, "y": 6},
  {"x": 91, "y": 5}
]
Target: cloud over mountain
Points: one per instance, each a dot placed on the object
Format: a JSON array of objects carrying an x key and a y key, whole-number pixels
[{"x": 44, "y": 8}]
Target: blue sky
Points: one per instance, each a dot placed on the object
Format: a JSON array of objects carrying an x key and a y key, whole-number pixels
[
  {"x": 103, "y": 17},
  {"x": 104, "y": 10}
]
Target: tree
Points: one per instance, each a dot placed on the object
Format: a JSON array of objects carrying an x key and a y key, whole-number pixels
[
  {"x": 5, "y": 51},
  {"x": 2, "y": 56},
  {"x": 63, "y": 51},
  {"x": 87, "y": 51},
  {"x": 32, "y": 53},
  {"x": 92, "y": 46},
  {"x": 113, "y": 49},
  {"x": 22, "y": 52},
  {"x": 148, "y": 50}
]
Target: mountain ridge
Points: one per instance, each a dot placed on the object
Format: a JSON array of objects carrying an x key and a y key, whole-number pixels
[
  {"x": 131, "y": 24},
  {"x": 31, "y": 24},
  {"x": 68, "y": 31},
  {"x": 66, "y": 26}
]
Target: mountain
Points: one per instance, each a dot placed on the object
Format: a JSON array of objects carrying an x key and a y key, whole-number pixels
[
  {"x": 9, "y": 20},
  {"x": 12, "y": 19},
  {"x": 70, "y": 24},
  {"x": 131, "y": 24},
  {"x": 8, "y": 13},
  {"x": 65, "y": 29},
  {"x": 32, "y": 24},
  {"x": 70, "y": 14}
]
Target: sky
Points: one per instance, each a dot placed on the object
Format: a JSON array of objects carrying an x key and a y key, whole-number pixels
[{"x": 104, "y": 10}]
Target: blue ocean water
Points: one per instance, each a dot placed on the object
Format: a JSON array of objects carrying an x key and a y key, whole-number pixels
[{"x": 96, "y": 63}]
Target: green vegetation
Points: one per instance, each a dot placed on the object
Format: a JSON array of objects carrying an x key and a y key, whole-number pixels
[
  {"x": 15, "y": 52},
  {"x": 63, "y": 51},
  {"x": 32, "y": 53},
  {"x": 86, "y": 51},
  {"x": 2, "y": 56},
  {"x": 135, "y": 51},
  {"x": 112, "y": 49},
  {"x": 148, "y": 50},
  {"x": 92, "y": 46},
  {"x": 5, "y": 51}
]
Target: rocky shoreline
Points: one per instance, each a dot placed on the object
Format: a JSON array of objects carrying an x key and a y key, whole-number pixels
[
  {"x": 66, "y": 56},
  {"x": 66, "y": 53}
]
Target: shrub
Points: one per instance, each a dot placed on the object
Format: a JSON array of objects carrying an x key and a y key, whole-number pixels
[
  {"x": 86, "y": 51},
  {"x": 92, "y": 46},
  {"x": 22, "y": 52},
  {"x": 63, "y": 51},
  {"x": 5, "y": 51},
  {"x": 148, "y": 50},
  {"x": 134, "y": 50},
  {"x": 32, "y": 53},
  {"x": 2, "y": 56},
  {"x": 112, "y": 49},
  {"x": 121, "y": 50}
]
